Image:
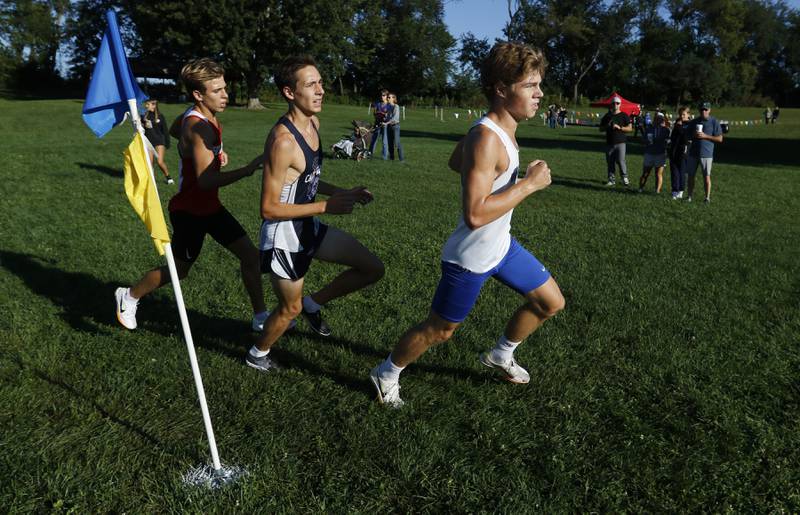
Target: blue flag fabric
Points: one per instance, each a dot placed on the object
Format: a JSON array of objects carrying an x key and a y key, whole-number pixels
[{"x": 112, "y": 83}]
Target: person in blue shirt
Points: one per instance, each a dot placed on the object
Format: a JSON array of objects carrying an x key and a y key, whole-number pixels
[
  {"x": 382, "y": 111},
  {"x": 704, "y": 131}
]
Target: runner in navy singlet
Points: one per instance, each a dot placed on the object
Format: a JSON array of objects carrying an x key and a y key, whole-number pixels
[{"x": 291, "y": 235}]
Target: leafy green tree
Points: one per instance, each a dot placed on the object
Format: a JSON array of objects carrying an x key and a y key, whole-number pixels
[{"x": 32, "y": 32}]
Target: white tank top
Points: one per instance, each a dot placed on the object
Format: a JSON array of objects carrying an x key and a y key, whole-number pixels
[{"x": 481, "y": 249}]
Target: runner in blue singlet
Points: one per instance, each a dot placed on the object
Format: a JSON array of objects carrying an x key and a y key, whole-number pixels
[{"x": 481, "y": 245}]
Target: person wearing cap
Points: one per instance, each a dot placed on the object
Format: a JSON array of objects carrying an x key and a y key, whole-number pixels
[
  {"x": 655, "y": 151},
  {"x": 616, "y": 124},
  {"x": 704, "y": 131}
]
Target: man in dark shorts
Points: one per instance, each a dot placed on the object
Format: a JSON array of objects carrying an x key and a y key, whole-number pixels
[
  {"x": 196, "y": 210},
  {"x": 291, "y": 235}
]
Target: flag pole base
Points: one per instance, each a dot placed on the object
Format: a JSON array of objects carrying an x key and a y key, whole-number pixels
[{"x": 206, "y": 476}]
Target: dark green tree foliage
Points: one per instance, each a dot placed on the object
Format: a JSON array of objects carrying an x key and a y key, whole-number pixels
[
  {"x": 31, "y": 32},
  {"x": 654, "y": 51}
]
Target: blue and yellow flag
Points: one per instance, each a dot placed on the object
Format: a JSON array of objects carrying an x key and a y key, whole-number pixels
[
  {"x": 141, "y": 192},
  {"x": 112, "y": 83}
]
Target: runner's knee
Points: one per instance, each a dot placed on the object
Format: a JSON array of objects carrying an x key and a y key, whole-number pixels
[
  {"x": 291, "y": 310},
  {"x": 374, "y": 269}
]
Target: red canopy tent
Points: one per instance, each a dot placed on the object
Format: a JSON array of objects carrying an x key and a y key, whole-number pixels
[{"x": 627, "y": 107}]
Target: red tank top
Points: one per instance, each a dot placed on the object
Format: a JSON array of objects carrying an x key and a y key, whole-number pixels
[{"x": 191, "y": 198}]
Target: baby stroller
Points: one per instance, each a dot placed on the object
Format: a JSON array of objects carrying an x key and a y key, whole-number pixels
[{"x": 355, "y": 146}]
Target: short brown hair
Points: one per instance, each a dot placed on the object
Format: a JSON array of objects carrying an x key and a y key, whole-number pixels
[
  {"x": 681, "y": 110},
  {"x": 199, "y": 71},
  {"x": 507, "y": 63},
  {"x": 285, "y": 74}
]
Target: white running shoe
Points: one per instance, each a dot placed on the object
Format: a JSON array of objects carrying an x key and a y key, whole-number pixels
[
  {"x": 258, "y": 322},
  {"x": 388, "y": 391},
  {"x": 170, "y": 181},
  {"x": 126, "y": 311},
  {"x": 511, "y": 370},
  {"x": 625, "y": 181},
  {"x": 679, "y": 195}
]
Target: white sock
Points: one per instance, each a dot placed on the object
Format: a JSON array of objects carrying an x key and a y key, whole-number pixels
[
  {"x": 128, "y": 298},
  {"x": 504, "y": 350},
  {"x": 309, "y": 304},
  {"x": 258, "y": 353},
  {"x": 388, "y": 371}
]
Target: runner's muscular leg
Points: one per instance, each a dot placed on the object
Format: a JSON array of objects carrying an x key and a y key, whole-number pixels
[
  {"x": 421, "y": 337},
  {"x": 251, "y": 274},
  {"x": 364, "y": 267},
  {"x": 540, "y": 304},
  {"x": 158, "y": 277},
  {"x": 290, "y": 303}
]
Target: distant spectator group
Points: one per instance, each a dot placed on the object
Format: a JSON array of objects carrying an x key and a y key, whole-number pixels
[
  {"x": 771, "y": 115},
  {"x": 689, "y": 145},
  {"x": 387, "y": 127}
]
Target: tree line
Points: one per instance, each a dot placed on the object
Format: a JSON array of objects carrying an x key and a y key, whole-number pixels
[{"x": 744, "y": 52}]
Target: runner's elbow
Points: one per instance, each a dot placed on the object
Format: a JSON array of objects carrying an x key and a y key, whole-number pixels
[{"x": 474, "y": 221}]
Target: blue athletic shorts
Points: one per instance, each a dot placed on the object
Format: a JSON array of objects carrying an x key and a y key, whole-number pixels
[{"x": 459, "y": 288}]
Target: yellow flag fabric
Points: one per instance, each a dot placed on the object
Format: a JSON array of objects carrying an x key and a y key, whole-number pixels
[{"x": 142, "y": 192}]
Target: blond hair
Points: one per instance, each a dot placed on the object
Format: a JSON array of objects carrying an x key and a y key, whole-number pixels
[
  {"x": 507, "y": 63},
  {"x": 196, "y": 73}
]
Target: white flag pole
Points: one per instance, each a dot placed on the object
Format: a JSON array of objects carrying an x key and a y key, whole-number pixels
[{"x": 176, "y": 287}]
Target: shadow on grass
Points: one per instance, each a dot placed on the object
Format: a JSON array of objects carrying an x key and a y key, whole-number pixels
[
  {"x": 757, "y": 152},
  {"x": 86, "y": 399},
  {"x": 592, "y": 184},
  {"x": 111, "y": 172},
  {"x": 87, "y": 305}
]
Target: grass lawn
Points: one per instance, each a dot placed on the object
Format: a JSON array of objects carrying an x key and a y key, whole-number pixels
[{"x": 670, "y": 383}]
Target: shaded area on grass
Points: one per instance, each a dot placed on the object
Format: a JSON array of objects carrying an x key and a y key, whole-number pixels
[
  {"x": 86, "y": 400},
  {"x": 757, "y": 152},
  {"x": 87, "y": 305},
  {"x": 112, "y": 172}
]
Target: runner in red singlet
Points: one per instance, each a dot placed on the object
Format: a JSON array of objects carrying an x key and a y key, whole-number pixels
[{"x": 196, "y": 210}]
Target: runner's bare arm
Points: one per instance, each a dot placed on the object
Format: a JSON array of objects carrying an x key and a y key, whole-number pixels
[
  {"x": 362, "y": 194},
  {"x": 201, "y": 139},
  {"x": 456, "y": 156},
  {"x": 483, "y": 157},
  {"x": 175, "y": 128}
]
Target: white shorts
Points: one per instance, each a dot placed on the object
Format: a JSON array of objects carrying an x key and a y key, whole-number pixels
[{"x": 655, "y": 160}]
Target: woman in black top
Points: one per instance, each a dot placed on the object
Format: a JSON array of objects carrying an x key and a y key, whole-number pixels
[
  {"x": 155, "y": 129},
  {"x": 678, "y": 141}
]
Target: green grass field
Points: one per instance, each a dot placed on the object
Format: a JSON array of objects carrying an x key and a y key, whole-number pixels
[{"x": 670, "y": 383}]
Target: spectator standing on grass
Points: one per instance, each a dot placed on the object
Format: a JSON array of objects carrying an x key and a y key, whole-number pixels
[
  {"x": 655, "y": 152},
  {"x": 775, "y": 113},
  {"x": 767, "y": 115},
  {"x": 704, "y": 131},
  {"x": 481, "y": 246},
  {"x": 678, "y": 146},
  {"x": 155, "y": 130},
  {"x": 196, "y": 209},
  {"x": 381, "y": 110},
  {"x": 616, "y": 124},
  {"x": 393, "y": 127}
]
